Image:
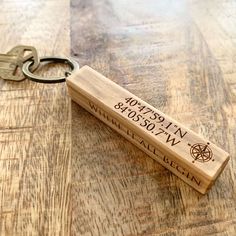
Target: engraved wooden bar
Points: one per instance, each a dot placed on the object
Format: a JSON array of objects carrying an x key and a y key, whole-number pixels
[{"x": 195, "y": 160}]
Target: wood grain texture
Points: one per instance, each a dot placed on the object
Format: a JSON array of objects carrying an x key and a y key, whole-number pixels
[
  {"x": 34, "y": 126},
  {"x": 189, "y": 156},
  {"x": 179, "y": 56}
]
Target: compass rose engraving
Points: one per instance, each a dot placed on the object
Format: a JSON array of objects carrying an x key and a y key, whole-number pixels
[{"x": 201, "y": 152}]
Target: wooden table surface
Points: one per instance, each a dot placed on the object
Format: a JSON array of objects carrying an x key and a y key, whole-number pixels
[{"x": 63, "y": 172}]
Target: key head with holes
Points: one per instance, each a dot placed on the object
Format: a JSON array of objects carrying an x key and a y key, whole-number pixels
[{"x": 12, "y": 62}]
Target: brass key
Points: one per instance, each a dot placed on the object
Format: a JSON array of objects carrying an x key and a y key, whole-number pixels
[{"x": 11, "y": 63}]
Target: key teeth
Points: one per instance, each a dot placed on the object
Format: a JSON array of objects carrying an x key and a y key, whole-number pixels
[{"x": 21, "y": 58}]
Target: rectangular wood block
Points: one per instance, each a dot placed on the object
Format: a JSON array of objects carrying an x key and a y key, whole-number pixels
[{"x": 195, "y": 160}]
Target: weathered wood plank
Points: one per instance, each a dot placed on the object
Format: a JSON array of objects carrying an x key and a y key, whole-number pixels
[
  {"x": 179, "y": 57},
  {"x": 34, "y": 126}
]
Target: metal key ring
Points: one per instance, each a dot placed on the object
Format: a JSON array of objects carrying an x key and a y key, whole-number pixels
[{"x": 26, "y": 69}]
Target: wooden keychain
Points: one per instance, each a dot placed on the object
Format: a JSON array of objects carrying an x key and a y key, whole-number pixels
[{"x": 192, "y": 158}]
